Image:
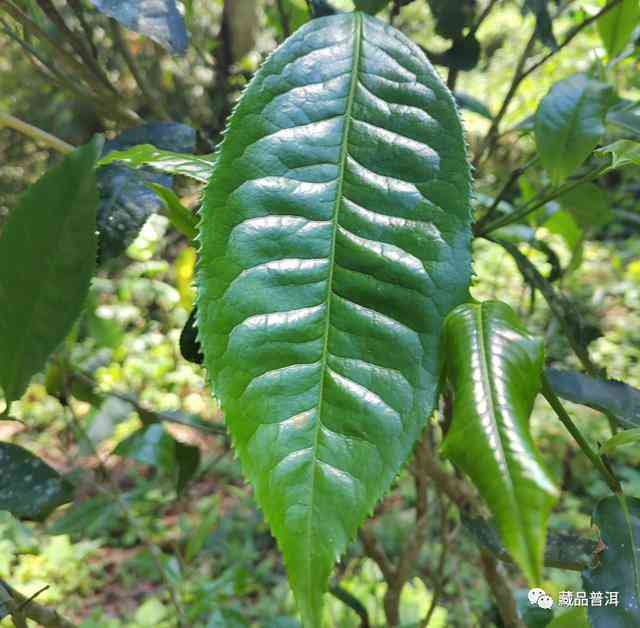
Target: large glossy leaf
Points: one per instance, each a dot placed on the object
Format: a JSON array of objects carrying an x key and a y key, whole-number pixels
[
  {"x": 495, "y": 369},
  {"x": 606, "y": 395},
  {"x": 569, "y": 123},
  {"x": 158, "y": 19},
  {"x": 618, "y": 567},
  {"x": 47, "y": 259},
  {"x": 30, "y": 488},
  {"x": 335, "y": 238},
  {"x": 615, "y": 26}
]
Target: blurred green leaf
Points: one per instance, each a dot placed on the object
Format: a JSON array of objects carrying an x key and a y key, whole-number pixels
[
  {"x": 616, "y": 25},
  {"x": 544, "y": 23},
  {"x": 626, "y": 437},
  {"x": 198, "y": 537},
  {"x": 621, "y": 400},
  {"x": 187, "y": 459},
  {"x": 30, "y": 488},
  {"x": 569, "y": 123},
  {"x": 47, "y": 259},
  {"x": 495, "y": 368},
  {"x": 572, "y": 618},
  {"x": 370, "y": 6},
  {"x": 181, "y": 217},
  {"x": 468, "y": 102},
  {"x": 589, "y": 205},
  {"x": 618, "y": 567},
  {"x": 623, "y": 153},
  {"x": 158, "y": 19}
]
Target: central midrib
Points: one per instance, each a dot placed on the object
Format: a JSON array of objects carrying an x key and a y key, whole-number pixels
[{"x": 357, "y": 45}]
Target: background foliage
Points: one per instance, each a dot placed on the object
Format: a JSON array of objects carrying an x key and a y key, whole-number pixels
[{"x": 162, "y": 528}]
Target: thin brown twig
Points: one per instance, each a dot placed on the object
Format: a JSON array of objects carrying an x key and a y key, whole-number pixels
[
  {"x": 150, "y": 95},
  {"x": 502, "y": 591},
  {"x": 26, "y": 607}
]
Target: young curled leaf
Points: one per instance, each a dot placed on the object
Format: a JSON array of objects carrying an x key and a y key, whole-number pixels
[{"x": 495, "y": 368}]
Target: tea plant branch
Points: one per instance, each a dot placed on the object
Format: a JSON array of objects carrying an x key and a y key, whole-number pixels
[
  {"x": 482, "y": 17},
  {"x": 72, "y": 64},
  {"x": 611, "y": 481},
  {"x": 515, "y": 175},
  {"x": 22, "y": 608},
  {"x": 501, "y": 589},
  {"x": 521, "y": 73},
  {"x": 49, "y": 9},
  {"x": 157, "y": 556},
  {"x": 35, "y": 133},
  {"x": 284, "y": 18},
  {"x": 151, "y": 96},
  {"x": 78, "y": 11},
  {"x": 522, "y": 212},
  {"x": 353, "y": 603}
]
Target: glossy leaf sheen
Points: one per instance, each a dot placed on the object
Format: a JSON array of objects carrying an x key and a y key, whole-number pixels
[
  {"x": 47, "y": 259},
  {"x": 335, "y": 238},
  {"x": 495, "y": 369},
  {"x": 618, "y": 567},
  {"x": 569, "y": 123},
  {"x": 30, "y": 488}
]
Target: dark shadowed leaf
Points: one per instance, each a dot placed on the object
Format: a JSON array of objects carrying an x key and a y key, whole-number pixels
[
  {"x": 189, "y": 344},
  {"x": 370, "y": 6},
  {"x": 159, "y": 20},
  {"x": 495, "y": 369},
  {"x": 615, "y": 26},
  {"x": 125, "y": 198},
  {"x": 618, "y": 567},
  {"x": 465, "y": 101},
  {"x": 187, "y": 462},
  {"x": 88, "y": 518},
  {"x": 47, "y": 259},
  {"x": 30, "y": 488},
  {"x": 621, "y": 400},
  {"x": 589, "y": 205},
  {"x": 570, "y": 122},
  {"x": 340, "y": 195},
  {"x": 544, "y": 24}
]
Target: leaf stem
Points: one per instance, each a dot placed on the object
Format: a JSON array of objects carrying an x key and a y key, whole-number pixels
[
  {"x": 35, "y": 133},
  {"x": 611, "y": 481},
  {"x": 520, "y": 213}
]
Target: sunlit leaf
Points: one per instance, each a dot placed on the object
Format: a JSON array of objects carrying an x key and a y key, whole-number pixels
[
  {"x": 623, "y": 153},
  {"x": 340, "y": 196},
  {"x": 617, "y": 25}
]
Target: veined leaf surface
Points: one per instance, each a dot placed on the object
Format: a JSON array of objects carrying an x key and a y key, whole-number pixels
[
  {"x": 495, "y": 368},
  {"x": 335, "y": 238}
]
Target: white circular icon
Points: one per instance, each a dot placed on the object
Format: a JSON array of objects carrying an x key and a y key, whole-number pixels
[
  {"x": 534, "y": 595},
  {"x": 545, "y": 601}
]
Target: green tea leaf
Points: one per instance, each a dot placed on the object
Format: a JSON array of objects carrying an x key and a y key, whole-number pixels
[
  {"x": 47, "y": 259},
  {"x": 617, "y": 25},
  {"x": 468, "y": 102},
  {"x": 495, "y": 370},
  {"x": 196, "y": 167},
  {"x": 618, "y": 567},
  {"x": 623, "y": 153},
  {"x": 30, "y": 488},
  {"x": 627, "y": 437},
  {"x": 608, "y": 395},
  {"x": 339, "y": 197},
  {"x": 569, "y": 123}
]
